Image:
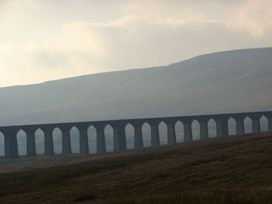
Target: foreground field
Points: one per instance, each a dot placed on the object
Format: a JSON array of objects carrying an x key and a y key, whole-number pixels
[{"x": 220, "y": 170}]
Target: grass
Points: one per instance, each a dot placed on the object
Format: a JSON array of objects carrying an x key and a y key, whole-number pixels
[{"x": 221, "y": 170}]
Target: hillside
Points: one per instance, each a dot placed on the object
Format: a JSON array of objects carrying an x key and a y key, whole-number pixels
[
  {"x": 214, "y": 83},
  {"x": 220, "y": 170}
]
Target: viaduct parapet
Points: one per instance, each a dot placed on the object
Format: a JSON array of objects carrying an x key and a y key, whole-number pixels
[{"x": 119, "y": 134}]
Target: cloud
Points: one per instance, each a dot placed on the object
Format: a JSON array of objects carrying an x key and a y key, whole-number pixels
[
  {"x": 53, "y": 41},
  {"x": 253, "y": 16},
  {"x": 138, "y": 41},
  {"x": 2, "y": 3}
]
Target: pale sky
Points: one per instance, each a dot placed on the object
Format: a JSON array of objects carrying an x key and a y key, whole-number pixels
[{"x": 42, "y": 40}]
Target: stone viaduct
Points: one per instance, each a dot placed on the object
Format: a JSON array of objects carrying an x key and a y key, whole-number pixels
[{"x": 119, "y": 135}]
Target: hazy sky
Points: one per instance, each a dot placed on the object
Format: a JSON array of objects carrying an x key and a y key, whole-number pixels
[{"x": 48, "y": 39}]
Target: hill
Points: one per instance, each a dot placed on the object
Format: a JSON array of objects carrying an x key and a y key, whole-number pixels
[
  {"x": 228, "y": 81},
  {"x": 220, "y": 170}
]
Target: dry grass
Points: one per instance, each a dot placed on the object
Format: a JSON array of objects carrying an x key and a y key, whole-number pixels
[{"x": 222, "y": 170}]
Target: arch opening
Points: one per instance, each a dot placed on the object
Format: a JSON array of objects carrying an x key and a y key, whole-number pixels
[
  {"x": 22, "y": 142},
  {"x": 57, "y": 140},
  {"x": 74, "y": 137},
  {"x": 195, "y": 130},
  {"x": 146, "y": 132},
  {"x": 248, "y": 125},
  {"x": 264, "y": 123},
  {"x": 130, "y": 134},
  {"x": 39, "y": 141},
  {"x": 163, "y": 133},
  {"x": 92, "y": 139},
  {"x": 2, "y": 145},
  {"x": 179, "y": 131},
  {"x": 212, "y": 128},
  {"x": 232, "y": 126},
  {"x": 108, "y": 130}
]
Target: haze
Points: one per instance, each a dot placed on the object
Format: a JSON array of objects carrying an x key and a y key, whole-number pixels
[{"x": 45, "y": 40}]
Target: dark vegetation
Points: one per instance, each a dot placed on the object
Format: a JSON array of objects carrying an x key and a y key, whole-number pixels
[{"x": 221, "y": 170}]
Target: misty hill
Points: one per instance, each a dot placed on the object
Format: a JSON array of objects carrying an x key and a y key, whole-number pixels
[{"x": 231, "y": 81}]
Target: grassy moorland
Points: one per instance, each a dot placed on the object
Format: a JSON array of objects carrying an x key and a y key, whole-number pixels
[{"x": 217, "y": 171}]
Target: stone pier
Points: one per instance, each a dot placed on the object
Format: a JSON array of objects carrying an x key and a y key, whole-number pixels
[
  {"x": 66, "y": 141},
  {"x": 221, "y": 127},
  {"x": 240, "y": 127},
  {"x": 83, "y": 139},
  {"x": 155, "y": 139},
  {"x": 31, "y": 147},
  {"x": 138, "y": 139},
  {"x": 100, "y": 139},
  {"x": 188, "y": 135},
  {"x": 171, "y": 132},
  {"x": 204, "y": 133},
  {"x": 119, "y": 136},
  {"x": 48, "y": 141}
]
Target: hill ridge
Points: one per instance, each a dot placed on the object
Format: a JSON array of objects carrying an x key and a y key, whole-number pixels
[{"x": 192, "y": 86}]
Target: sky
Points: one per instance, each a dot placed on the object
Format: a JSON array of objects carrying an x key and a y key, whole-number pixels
[{"x": 42, "y": 40}]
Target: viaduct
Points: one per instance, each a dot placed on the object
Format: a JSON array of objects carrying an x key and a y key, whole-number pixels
[{"x": 119, "y": 134}]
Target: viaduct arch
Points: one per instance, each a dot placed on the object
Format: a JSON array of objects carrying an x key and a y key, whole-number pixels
[{"x": 221, "y": 121}]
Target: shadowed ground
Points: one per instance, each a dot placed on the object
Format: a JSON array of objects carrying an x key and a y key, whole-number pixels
[{"x": 219, "y": 170}]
